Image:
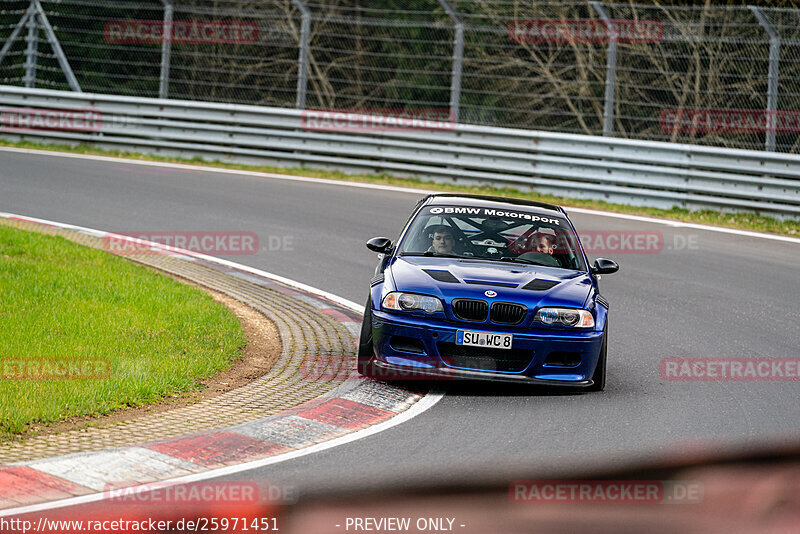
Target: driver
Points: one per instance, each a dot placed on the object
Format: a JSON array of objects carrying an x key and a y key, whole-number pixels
[{"x": 442, "y": 240}]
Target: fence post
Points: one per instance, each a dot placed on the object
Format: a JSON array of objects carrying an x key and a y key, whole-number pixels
[
  {"x": 31, "y": 49},
  {"x": 57, "y": 50},
  {"x": 17, "y": 29},
  {"x": 34, "y": 16},
  {"x": 166, "y": 50},
  {"x": 772, "y": 80},
  {"x": 302, "y": 64},
  {"x": 458, "y": 60},
  {"x": 611, "y": 70}
]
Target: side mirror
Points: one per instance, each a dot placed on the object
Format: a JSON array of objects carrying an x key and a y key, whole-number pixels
[
  {"x": 604, "y": 266},
  {"x": 381, "y": 245}
]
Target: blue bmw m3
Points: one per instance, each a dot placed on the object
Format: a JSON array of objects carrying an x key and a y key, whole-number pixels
[{"x": 486, "y": 288}]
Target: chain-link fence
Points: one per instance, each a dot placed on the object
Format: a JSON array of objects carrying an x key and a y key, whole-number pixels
[{"x": 726, "y": 76}]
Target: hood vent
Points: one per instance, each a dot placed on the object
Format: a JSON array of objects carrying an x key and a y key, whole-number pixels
[
  {"x": 484, "y": 283},
  {"x": 442, "y": 276},
  {"x": 540, "y": 285}
]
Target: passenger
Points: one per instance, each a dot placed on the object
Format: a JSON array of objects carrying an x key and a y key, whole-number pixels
[{"x": 545, "y": 243}]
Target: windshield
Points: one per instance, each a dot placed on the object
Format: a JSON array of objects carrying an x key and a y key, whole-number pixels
[{"x": 518, "y": 236}]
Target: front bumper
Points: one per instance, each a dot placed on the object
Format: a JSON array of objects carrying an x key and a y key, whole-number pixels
[{"x": 534, "y": 352}]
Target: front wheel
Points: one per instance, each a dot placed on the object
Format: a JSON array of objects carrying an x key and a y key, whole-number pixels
[
  {"x": 365, "y": 359},
  {"x": 599, "y": 376}
]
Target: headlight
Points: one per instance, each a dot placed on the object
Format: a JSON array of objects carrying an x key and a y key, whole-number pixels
[
  {"x": 565, "y": 316},
  {"x": 411, "y": 302}
]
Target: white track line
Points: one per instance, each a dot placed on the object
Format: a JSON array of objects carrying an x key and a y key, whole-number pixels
[
  {"x": 396, "y": 189},
  {"x": 421, "y": 406},
  {"x": 221, "y": 170}
]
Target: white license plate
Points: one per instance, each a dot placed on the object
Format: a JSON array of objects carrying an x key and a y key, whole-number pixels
[{"x": 484, "y": 339}]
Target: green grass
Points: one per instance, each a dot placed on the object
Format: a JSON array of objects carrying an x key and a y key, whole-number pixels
[
  {"x": 59, "y": 299},
  {"x": 742, "y": 220}
]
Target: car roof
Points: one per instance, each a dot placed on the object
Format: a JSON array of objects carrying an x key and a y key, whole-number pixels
[{"x": 449, "y": 199}]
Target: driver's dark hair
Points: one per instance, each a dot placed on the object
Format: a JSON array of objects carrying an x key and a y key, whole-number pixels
[{"x": 442, "y": 229}]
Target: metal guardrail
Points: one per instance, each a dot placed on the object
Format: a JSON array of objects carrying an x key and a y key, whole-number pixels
[{"x": 616, "y": 170}]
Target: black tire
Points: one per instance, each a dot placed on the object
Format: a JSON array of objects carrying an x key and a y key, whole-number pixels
[
  {"x": 599, "y": 376},
  {"x": 366, "y": 353}
]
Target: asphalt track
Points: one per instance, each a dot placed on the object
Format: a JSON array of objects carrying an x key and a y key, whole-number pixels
[{"x": 706, "y": 294}]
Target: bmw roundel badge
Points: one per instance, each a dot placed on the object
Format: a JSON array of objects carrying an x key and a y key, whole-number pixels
[{"x": 491, "y": 293}]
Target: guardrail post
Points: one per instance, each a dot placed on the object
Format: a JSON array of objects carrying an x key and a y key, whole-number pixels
[
  {"x": 166, "y": 50},
  {"x": 458, "y": 59},
  {"x": 611, "y": 71},
  {"x": 31, "y": 50},
  {"x": 302, "y": 64},
  {"x": 772, "y": 80}
]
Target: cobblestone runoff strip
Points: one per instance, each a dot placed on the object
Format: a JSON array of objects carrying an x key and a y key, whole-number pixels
[{"x": 311, "y": 395}]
